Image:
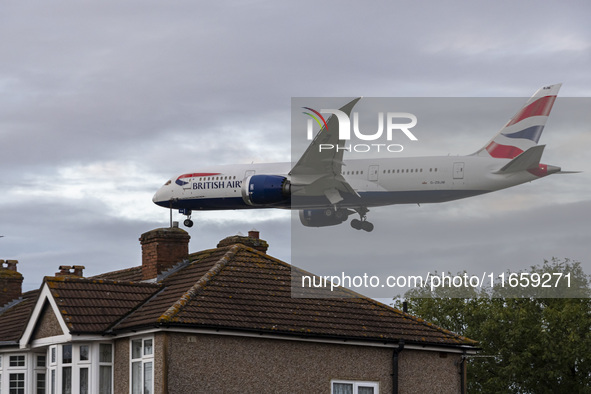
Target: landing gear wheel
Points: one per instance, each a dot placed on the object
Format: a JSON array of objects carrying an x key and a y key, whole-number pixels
[
  {"x": 356, "y": 224},
  {"x": 367, "y": 226},
  {"x": 188, "y": 223},
  {"x": 362, "y": 223}
]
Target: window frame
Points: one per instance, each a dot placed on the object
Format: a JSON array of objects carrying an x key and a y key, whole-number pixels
[
  {"x": 22, "y": 388},
  {"x": 356, "y": 384},
  {"x": 143, "y": 359},
  {"x": 36, "y": 387},
  {"x": 24, "y": 358},
  {"x": 40, "y": 369},
  {"x": 105, "y": 364}
]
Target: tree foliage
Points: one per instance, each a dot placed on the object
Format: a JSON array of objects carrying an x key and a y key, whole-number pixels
[{"x": 529, "y": 345}]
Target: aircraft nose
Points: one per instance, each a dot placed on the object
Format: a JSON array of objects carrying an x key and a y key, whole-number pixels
[
  {"x": 160, "y": 197},
  {"x": 156, "y": 197}
]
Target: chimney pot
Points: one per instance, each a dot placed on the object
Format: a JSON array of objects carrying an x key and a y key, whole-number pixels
[
  {"x": 79, "y": 270},
  {"x": 63, "y": 270},
  {"x": 11, "y": 265},
  {"x": 254, "y": 234}
]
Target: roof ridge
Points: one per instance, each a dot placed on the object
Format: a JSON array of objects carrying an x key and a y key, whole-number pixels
[
  {"x": 10, "y": 304},
  {"x": 94, "y": 280},
  {"x": 169, "y": 314}
]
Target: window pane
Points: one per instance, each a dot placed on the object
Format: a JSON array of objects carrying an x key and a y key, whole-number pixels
[
  {"x": 148, "y": 347},
  {"x": 136, "y": 377},
  {"x": 41, "y": 383},
  {"x": 136, "y": 348},
  {"x": 53, "y": 355},
  {"x": 67, "y": 380},
  {"x": 41, "y": 360},
  {"x": 52, "y": 384},
  {"x": 83, "y": 380},
  {"x": 106, "y": 353},
  {"x": 342, "y": 388},
  {"x": 148, "y": 378},
  {"x": 84, "y": 352},
  {"x": 17, "y": 361},
  {"x": 16, "y": 383},
  {"x": 105, "y": 380},
  {"x": 67, "y": 354},
  {"x": 365, "y": 390}
]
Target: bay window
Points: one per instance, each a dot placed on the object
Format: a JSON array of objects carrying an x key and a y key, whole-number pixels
[{"x": 78, "y": 368}]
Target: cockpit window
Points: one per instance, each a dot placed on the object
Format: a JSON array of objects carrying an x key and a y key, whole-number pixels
[{"x": 168, "y": 182}]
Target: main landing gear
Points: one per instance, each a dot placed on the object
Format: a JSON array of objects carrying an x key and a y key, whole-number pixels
[
  {"x": 188, "y": 222},
  {"x": 362, "y": 223}
]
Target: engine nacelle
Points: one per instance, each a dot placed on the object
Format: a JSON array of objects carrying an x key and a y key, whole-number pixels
[
  {"x": 323, "y": 217},
  {"x": 266, "y": 190}
]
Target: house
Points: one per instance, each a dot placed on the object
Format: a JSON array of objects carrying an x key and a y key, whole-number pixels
[{"x": 222, "y": 320}]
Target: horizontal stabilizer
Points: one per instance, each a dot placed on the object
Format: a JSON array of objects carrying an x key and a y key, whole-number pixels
[{"x": 528, "y": 160}]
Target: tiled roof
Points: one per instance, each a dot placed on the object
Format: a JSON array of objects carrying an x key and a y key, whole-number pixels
[
  {"x": 232, "y": 287},
  {"x": 14, "y": 318},
  {"x": 93, "y": 305},
  {"x": 237, "y": 287}
]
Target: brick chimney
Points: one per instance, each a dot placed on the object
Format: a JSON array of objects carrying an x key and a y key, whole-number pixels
[
  {"x": 76, "y": 271},
  {"x": 162, "y": 248},
  {"x": 252, "y": 240},
  {"x": 11, "y": 282}
]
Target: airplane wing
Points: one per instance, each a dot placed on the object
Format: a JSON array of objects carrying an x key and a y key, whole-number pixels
[{"x": 318, "y": 172}]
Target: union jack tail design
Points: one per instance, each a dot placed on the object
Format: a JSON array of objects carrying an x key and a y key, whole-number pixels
[{"x": 523, "y": 131}]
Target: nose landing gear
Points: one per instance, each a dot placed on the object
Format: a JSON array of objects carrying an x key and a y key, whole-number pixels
[{"x": 188, "y": 222}]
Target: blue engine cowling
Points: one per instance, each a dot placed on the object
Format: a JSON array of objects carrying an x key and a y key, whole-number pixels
[
  {"x": 266, "y": 190},
  {"x": 323, "y": 217}
]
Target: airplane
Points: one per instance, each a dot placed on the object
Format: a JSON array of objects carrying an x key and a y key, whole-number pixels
[{"x": 327, "y": 190}]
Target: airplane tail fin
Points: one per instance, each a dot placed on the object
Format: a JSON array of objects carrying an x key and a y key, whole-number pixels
[{"x": 524, "y": 129}]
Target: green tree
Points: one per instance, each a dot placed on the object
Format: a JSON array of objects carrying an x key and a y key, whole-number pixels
[{"x": 529, "y": 345}]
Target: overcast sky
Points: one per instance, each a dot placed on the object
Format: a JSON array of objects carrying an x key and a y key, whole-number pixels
[{"x": 102, "y": 102}]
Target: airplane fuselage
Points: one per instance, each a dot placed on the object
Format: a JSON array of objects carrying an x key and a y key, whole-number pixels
[{"x": 383, "y": 181}]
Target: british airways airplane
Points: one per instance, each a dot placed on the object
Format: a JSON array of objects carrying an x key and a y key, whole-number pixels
[{"x": 327, "y": 190}]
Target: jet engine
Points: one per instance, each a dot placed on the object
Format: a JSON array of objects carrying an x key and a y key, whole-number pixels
[
  {"x": 323, "y": 217},
  {"x": 266, "y": 190}
]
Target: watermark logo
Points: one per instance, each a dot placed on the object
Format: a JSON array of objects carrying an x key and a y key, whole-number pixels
[{"x": 391, "y": 119}]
